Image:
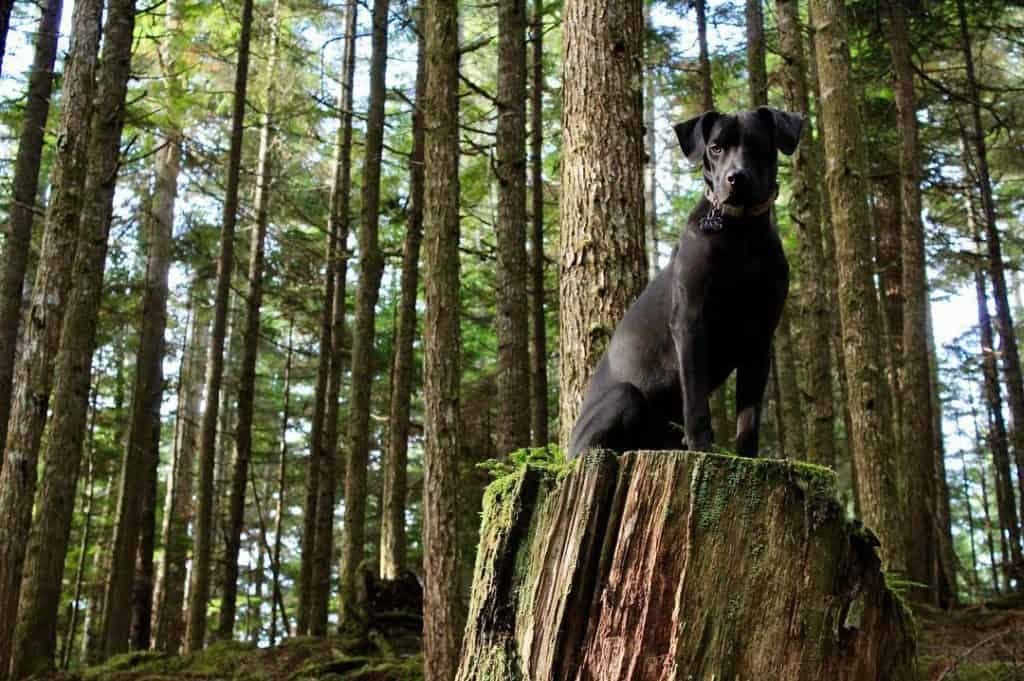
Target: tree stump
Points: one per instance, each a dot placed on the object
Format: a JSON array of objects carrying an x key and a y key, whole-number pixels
[{"x": 679, "y": 566}]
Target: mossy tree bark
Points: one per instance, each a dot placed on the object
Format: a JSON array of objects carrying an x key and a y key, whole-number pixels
[
  {"x": 603, "y": 262},
  {"x": 872, "y": 436},
  {"x": 613, "y": 569}
]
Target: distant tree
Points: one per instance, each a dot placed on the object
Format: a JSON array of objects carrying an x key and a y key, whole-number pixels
[
  {"x": 538, "y": 325},
  {"x": 199, "y": 586}
]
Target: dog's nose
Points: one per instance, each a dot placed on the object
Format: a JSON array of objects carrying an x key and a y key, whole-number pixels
[{"x": 736, "y": 177}]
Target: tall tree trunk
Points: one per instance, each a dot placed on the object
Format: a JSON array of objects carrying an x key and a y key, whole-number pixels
[
  {"x": 539, "y": 356},
  {"x": 371, "y": 267},
  {"x": 805, "y": 214},
  {"x": 441, "y": 625},
  {"x": 199, "y": 587},
  {"x": 918, "y": 451},
  {"x": 1004, "y": 320},
  {"x": 707, "y": 88},
  {"x": 790, "y": 421},
  {"x": 986, "y": 513},
  {"x": 36, "y": 635},
  {"x": 603, "y": 261},
  {"x": 24, "y": 187},
  {"x": 83, "y": 546},
  {"x": 757, "y": 74},
  {"x": 282, "y": 480},
  {"x": 886, "y": 224},
  {"x": 338, "y": 229},
  {"x": 169, "y": 625},
  {"x": 513, "y": 333},
  {"x": 33, "y": 375},
  {"x": 869, "y": 406},
  {"x": 5, "y": 24},
  {"x": 250, "y": 343},
  {"x": 997, "y": 439},
  {"x": 392, "y": 519},
  {"x": 651, "y": 171}
]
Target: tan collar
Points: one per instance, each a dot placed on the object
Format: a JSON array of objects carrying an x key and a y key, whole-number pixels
[{"x": 741, "y": 211}]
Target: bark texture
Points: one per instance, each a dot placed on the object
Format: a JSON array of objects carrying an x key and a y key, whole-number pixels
[
  {"x": 392, "y": 522},
  {"x": 603, "y": 263},
  {"x": 24, "y": 187},
  {"x": 805, "y": 214},
  {"x": 613, "y": 570},
  {"x": 441, "y": 371},
  {"x": 871, "y": 436},
  {"x": 513, "y": 427},
  {"x": 539, "y": 355},
  {"x": 199, "y": 586},
  {"x": 371, "y": 268},
  {"x": 33, "y": 374}
]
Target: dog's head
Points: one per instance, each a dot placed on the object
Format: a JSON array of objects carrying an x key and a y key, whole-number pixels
[{"x": 740, "y": 151}]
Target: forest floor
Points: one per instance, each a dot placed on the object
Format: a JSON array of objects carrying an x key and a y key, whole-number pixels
[
  {"x": 973, "y": 643},
  {"x": 976, "y": 643}
]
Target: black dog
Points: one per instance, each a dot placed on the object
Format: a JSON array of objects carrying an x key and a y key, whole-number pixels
[{"x": 711, "y": 311}]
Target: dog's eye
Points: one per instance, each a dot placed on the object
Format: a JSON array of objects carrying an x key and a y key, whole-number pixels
[{"x": 715, "y": 149}]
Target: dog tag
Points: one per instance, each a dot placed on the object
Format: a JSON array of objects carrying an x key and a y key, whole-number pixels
[{"x": 712, "y": 221}]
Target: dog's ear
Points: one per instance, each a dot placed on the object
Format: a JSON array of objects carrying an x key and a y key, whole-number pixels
[
  {"x": 693, "y": 133},
  {"x": 787, "y": 125}
]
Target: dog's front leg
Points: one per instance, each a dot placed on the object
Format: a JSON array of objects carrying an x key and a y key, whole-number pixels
[
  {"x": 690, "y": 336},
  {"x": 751, "y": 379}
]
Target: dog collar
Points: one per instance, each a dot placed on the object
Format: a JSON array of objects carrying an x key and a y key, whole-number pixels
[{"x": 714, "y": 222}]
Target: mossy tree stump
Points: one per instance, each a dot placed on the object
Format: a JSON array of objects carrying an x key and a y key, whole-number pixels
[{"x": 678, "y": 566}]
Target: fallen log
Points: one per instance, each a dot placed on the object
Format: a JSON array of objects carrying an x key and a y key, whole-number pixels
[{"x": 679, "y": 566}]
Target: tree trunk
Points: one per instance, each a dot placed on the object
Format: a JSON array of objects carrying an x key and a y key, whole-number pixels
[
  {"x": 603, "y": 261},
  {"x": 539, "y": 356},
  {"x": 25, "y": 185},
  {"x": 651, "y": 170},
  {"x": 757, "y": 74},
  {"x": 199, "y": 587},
  {"x": 83, "y": 547},
  {"x": 250, "y": 345},
  {"x": 790, "y": 415},
  {"x": 1004, "y": 320},
  {"x": 34, "y": 371},
  {"x": 371, "y": 267},
  {"x": 707, "y": 88},
  {"x": 392, "y": 519},
  {"x": 805, "y": 214},
  {"x": 997, "y": 439},
  {"x": 886, "y": 226},
  {"x": 614, "y": 571},
  {"x": 871, "y": 437},
  {"x": 5, "y": 24},
  {"x": 915, "y": 380},
  {"x": 36, "y": 637},
  {"x": 441, "y": 372},
  {"x": 513, "y": 427},
  {"x": 169, "y": 625},
  {"x": 338, "y": 229},
  {"x": 282, "y": 485}
]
